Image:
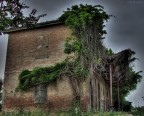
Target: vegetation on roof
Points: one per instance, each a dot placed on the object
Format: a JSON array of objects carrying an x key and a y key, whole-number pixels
[
  {"x": 87, "y": 25},
  {"x": 87, "y": 46}
]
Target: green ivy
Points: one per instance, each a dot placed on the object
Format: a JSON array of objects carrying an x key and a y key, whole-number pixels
[
  {"x": 109, "y": 51},
  {"x": 79, "y": 18},
  {"x": 39, "y": 75},
  {"x": 72, "y": 45},
  {"x": 47, "y": 75}
]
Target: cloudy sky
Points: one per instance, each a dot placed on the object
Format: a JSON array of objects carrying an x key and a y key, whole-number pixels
[{"x": 124, "y": 31}]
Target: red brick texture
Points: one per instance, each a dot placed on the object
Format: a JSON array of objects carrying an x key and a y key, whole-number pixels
[
  {"x": 22, "y": 54},
  {"x": 23, "y": 49}
]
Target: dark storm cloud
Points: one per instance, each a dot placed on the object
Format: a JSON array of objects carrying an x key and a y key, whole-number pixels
[
  {"x": 53, "y": 8},
  {"x": 127, "y": 28}
]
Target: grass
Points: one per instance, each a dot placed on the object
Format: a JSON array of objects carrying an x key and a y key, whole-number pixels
[
  {"x": 76, "y": 112},
  {"x": 139, "y": 111}
]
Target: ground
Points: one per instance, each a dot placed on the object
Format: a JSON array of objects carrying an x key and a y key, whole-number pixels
[{"x": 69, "y": 113}]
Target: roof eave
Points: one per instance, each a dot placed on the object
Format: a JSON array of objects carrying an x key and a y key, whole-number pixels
[{"x": 36, "y": 26}]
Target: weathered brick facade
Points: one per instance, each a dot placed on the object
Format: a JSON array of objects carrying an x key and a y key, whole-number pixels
[{"x": 42, "y": 47}]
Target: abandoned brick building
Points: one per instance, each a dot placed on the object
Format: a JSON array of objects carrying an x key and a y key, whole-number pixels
[{"x": 43, "y": 46}]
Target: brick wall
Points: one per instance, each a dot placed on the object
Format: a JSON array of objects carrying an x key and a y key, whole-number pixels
[
  {"x": 22, "y": 53},
  {"x": 41, "y": 47}
]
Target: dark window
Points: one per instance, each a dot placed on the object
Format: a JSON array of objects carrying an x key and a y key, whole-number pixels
[
  {"x": 40, "y": 94},
  {"x": 91, "y": 94},
  {"x": 99, "y": 96}
]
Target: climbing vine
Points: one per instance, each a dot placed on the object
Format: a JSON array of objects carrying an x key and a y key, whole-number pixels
[
  {"x": 86, "y": 23},
  {"x": 39, "y": 75},
  {"x": 47, "y": 75}
]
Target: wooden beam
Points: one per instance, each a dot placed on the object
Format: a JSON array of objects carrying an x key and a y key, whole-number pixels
[
  {"x": 111, "y": 97},
  {"x": 118, "y": 93}
]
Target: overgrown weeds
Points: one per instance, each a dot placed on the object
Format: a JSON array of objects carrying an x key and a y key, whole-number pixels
[
  {"x": 74, "y": 111},
  {"x": 139, "y": 111}
]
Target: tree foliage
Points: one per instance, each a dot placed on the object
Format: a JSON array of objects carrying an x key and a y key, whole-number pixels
[
  {"x": 86, "y": 21},
  {"x": 80, "y": 16},
  {"x": 11, "y": 15},
  {"x": 135, "y": 78},
  {"x": 87, "y": 24}
]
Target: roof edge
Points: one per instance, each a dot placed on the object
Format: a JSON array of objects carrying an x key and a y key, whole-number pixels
[{"x": 38, "y": 25}]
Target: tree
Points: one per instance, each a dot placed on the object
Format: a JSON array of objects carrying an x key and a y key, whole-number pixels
[
  {"x": 135, "y": 78},
  {"x": 11, "y": 15},
  {"x": 87, "y": 24},
  {"x": 132, "y": 78}
]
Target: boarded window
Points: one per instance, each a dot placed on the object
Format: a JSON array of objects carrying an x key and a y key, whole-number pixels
[
  {"x": 41, "y": 47},
  {"x": 40, "y": 94}
]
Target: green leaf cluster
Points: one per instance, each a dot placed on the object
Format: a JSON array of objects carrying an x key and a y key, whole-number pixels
[
  {"x": 72, "y": 45},
  {"x": 109, "y": 51},
  {"x": 77, "y": 70},
  {"x": 87, "y": 25},
  {"x": 80, "y": 71},
  {"x": 78, "y": 16},
  {"x": 47, "y": 75},
  {"x": 135, "y": 78},
  {"x": 39, "y": 75},
  {"x": 11, "y": 15}
]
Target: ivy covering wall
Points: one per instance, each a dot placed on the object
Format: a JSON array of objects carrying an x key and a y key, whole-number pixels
[{"x": 86, "y": 23}]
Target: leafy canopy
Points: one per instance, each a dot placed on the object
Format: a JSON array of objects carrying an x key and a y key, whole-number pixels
[
  {"x": 11, "y": 15},
  {"x": 87, "y": 24},
  {"x": 78, "y": 16}
]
